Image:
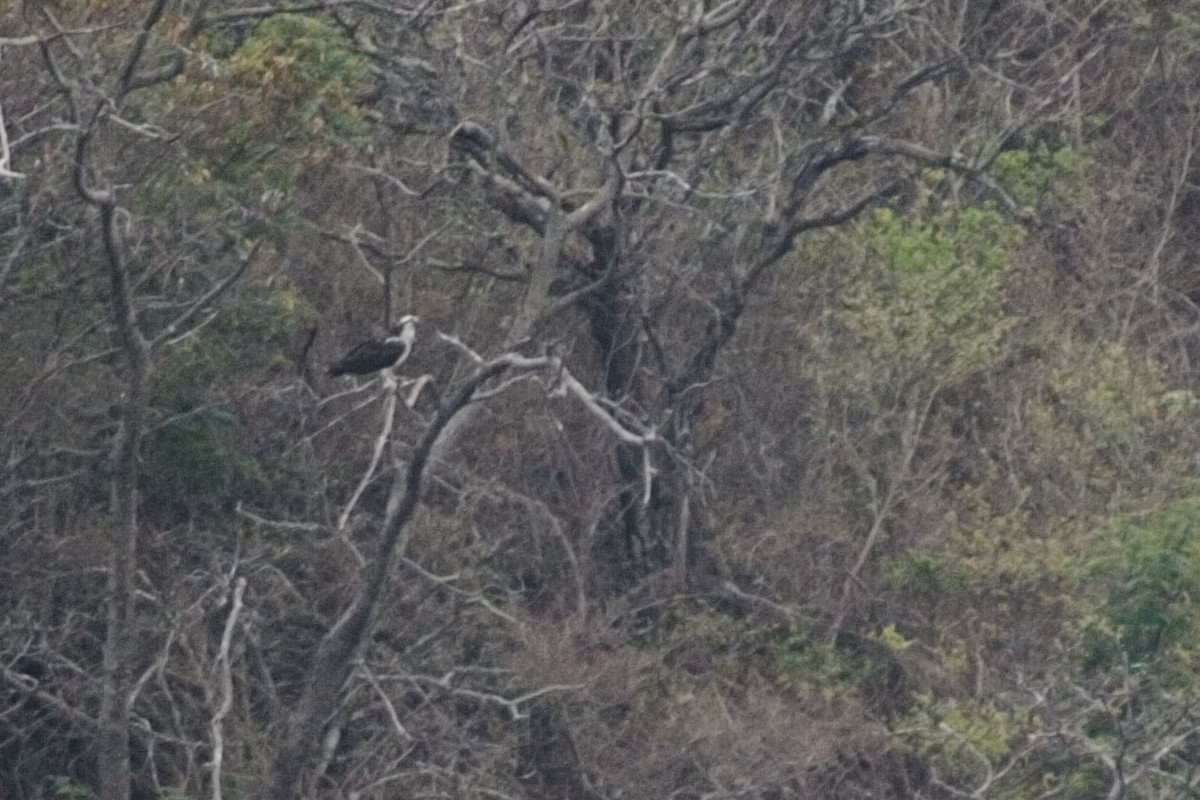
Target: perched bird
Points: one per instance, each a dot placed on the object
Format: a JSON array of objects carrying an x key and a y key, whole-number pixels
[{"x": 376, "y": 354}]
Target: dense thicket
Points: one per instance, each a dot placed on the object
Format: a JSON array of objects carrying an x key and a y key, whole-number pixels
[{"x": 802, "y": 405}]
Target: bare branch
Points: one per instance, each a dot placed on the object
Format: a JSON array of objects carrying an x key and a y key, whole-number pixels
[
  {"x": 385, "y": 432},
  {"x": 283, "y": 525},
  {"x": 5, "y": 153},
  {"x": 340, "y": 647},
  {"x": 725, "y": 14},
  {"x": 952, "y": 161},
  {"x": 205, "y": 300},
  {"x": 568, "y": 384},
  {"x": 513, "y": 705},
  {"x": 398, "y": 726},
  {"x": 225, "y": 675},
  {"x": 29, "y": 687},
  {"x": 125, "y": 78}
]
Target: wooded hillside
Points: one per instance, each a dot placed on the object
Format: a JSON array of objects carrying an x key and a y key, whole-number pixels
[{"x": 802, "y": 401}]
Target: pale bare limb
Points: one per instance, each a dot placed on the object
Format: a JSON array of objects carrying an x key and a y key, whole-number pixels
[
  {"x": 385, "y": 434},
  {"x": 5, "y": 153},
  {"x": 393, "y": 717},
  {"x": 512, "y": 704},
  {"x": 206, "y": 299},
  {"x": 353, "y": 239},
  {"x": 283, "y": 525},
  {"x": 224, "y": 672},
  {"x": 881, "y": 508}
]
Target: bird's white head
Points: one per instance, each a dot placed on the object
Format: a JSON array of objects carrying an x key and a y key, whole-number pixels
[{"x": 404, "y": 329}]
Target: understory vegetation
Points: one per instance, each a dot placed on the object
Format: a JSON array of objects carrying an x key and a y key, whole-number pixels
[{"x": 803, "y": 404}]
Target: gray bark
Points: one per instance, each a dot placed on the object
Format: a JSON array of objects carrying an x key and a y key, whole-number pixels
[{"x": 341, "y": 647}]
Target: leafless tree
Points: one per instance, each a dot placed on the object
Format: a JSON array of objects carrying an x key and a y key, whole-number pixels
[
  {"x": 92, "y": 115},
  {"x": 650, "y": 209}
]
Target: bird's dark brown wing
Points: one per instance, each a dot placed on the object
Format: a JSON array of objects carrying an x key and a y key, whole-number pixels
[
  {"x": 347, "y": 363},
  {"x": 366, "y": 358}
]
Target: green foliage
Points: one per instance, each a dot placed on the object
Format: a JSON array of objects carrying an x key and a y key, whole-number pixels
[
  {"x": 920, "y": 572},
  {"x": 809, "y": 667},
  {"x": 958, "y": 736},
  {"x": 268, "y": 317},
  {"x": 994, "y": 576},
  {"x": 1043, "y": 173},
  {"x": 1146, "y": 574},
  {"x": 997, "y": 555},
  {"x": 182, "y": 380},
  {"x": 1110, "y": 414},
  {"x": 35, "y": 276},
  {"x": 892, "y": 639},
  {"x": 67, "y": 789},
  {"x": 795, "y": 661},
  {"x": 249, "y": 334},
  {"x": 305, "y": 71},
  {"x": 194, "y": 454},
  {"x": 189, "y": 455},
  {"x": 1118, "y": 395},
  {"x": 930, "y": 299},
  {"x": 1178, "y": 402},
  {"x": 259, "y": 114},
  {"x": 190, "y": 460}
]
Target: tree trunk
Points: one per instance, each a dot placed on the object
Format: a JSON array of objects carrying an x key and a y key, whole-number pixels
[
  {"x": 342, "y": 646},
  {"x": 113, "y": 747}
]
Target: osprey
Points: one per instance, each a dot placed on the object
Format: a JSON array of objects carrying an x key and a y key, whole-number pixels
[{"x": 376, "y": 354}]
